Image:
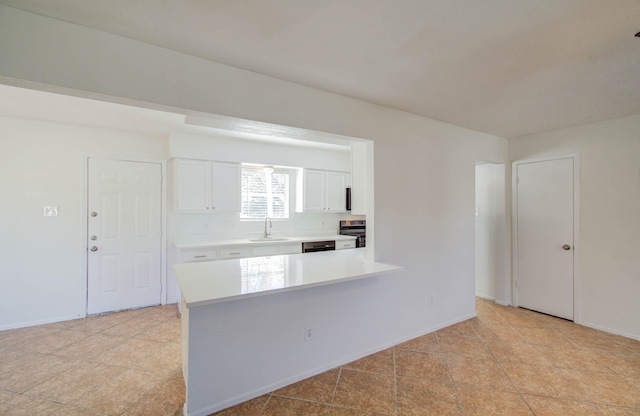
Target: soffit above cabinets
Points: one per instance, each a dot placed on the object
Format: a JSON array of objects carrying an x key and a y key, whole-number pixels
[{"x": 30, "y": 104}]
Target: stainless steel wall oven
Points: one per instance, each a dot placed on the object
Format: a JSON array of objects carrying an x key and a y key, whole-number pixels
[{"x": 357, "y": 228}]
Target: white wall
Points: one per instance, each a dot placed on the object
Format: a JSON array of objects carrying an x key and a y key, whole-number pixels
[
  {"x": 42, "y": 272},
  {"x": 490, "y": 231},
  {"x": 609, "y": 215},
  {"x": 424, "y": 169}
]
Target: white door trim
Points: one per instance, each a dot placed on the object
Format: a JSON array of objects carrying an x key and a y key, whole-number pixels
[
  {"x": 577, "y": 281},
  {"x": 84, "y": 229}
]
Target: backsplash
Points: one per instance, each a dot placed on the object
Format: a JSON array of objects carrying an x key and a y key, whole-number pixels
[{"x": 222, "y": 226}]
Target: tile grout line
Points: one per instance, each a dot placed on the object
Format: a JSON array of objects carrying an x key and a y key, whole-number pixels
[
  {"x": 335, "y": 388},
  {"x": 264, "y": 406},
  {"x": 517, "y": 390},
  {"x": 453, "y": 381}
]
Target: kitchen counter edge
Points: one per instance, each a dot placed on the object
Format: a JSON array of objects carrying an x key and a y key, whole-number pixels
[
  {"x": 185, "y": 245},
  {"x": 367, "y": 268}
]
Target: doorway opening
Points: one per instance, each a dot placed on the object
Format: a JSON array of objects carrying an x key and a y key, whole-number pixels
[{"x": 490, "y": 232}]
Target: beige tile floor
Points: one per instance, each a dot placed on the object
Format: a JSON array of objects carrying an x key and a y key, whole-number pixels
[
  {"x": 507, "y": 361},
  {"x": 125, "y": 363}
]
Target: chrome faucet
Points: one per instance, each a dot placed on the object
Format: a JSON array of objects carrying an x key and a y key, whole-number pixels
[{"x": 267, "y": 232}]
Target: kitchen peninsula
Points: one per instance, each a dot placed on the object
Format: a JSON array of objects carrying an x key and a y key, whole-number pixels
[{"x": 252, "y": 325}]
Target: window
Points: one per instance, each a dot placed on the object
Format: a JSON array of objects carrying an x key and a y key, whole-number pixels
[{"x": 265, "y": 193}]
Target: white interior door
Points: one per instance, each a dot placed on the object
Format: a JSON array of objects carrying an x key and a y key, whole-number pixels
[
  {"x": 545, "y": 199},
  {"x": 124, "y": 235}
]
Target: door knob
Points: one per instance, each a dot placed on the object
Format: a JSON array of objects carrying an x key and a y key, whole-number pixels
[
  {"x": 94, "y": 248},
  {"x": 94, "y": 214},
  {"x": 94, "y": 237},
  {"x": 566, "y": 247}
]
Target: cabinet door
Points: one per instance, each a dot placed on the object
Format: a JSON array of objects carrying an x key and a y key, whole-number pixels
[
  {"x": 314, "y": 190},
  {"x": 226, "y": 186},
  {"x": 188, "y": 256},
  {"x": 264, "y": 251},
  {"x": 290, "y": 248},
  {"x": 341, "y": 245},
  {"x": 336, "y": 183},
  {"x": 234, "y": 252},
  {"x": 193, "y": 186}
]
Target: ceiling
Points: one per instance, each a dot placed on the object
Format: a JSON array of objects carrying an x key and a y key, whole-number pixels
[{"x": 505, "y": 67}]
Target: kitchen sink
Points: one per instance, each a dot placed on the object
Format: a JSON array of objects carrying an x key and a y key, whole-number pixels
[{"x": 264, "y": 240}]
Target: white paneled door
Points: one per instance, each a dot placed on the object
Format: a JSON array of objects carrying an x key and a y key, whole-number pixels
[
  {"x": 545, "y": 236},
  {"x": 124, "y": 235}
]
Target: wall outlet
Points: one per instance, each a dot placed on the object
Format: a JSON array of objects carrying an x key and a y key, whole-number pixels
[
  {"x": 431, "y": 299},
  {"x": 205, "y": 226},
  {"x": 308, "y": 334},
  {"x": 50, "y": 211}
]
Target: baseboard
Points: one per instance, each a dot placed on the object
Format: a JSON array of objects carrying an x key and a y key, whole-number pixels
[
  {"x": 298, "y": 377},
  {"x": 491, "y": 298},
  {"x": 611, "y": 331},
  {"x": 502, "y": 303},
  {"x": 39, "y": 322}
]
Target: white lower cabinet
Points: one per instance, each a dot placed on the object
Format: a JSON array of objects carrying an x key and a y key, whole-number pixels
[
  {"x": 341, "y": 245},
  {"x": 187, "y": 256},
  {"x": 238, "y": 252},
  {"x": 264, "y": 251},
  {"x": 234, "y": 252},
  {"x": 290, "y": 248}
]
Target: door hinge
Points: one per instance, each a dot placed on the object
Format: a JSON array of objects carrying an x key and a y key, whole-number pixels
[
  {"x": 517, "y": 180},
  {"x": 516, "y": 284}
]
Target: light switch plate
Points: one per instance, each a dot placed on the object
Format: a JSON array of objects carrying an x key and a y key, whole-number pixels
[{"x": 50, "y": 211}]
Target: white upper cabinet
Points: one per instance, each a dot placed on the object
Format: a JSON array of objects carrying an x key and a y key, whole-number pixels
[
  {"x": 193, "y": 185},
  {"x": 314, "y": 190},
  {"x": 336, "y": 191},
  {"x": 226, "y": 186},
  {"x": 203, "y": 186},
  {"x": 324, "y": 191}
]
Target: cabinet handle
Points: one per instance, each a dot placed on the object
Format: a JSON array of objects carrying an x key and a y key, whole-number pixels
[
  {"x": 234, "y": 254},
  {"x": 199, "y": 257}
]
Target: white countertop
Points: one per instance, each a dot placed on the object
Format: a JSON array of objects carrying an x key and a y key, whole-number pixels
[
  {"x": 190, "y": 244},
  {"x": 212, "y": 282}
]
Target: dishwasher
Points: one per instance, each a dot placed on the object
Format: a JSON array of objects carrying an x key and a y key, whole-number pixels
[{"x": 311, "y": 246}]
